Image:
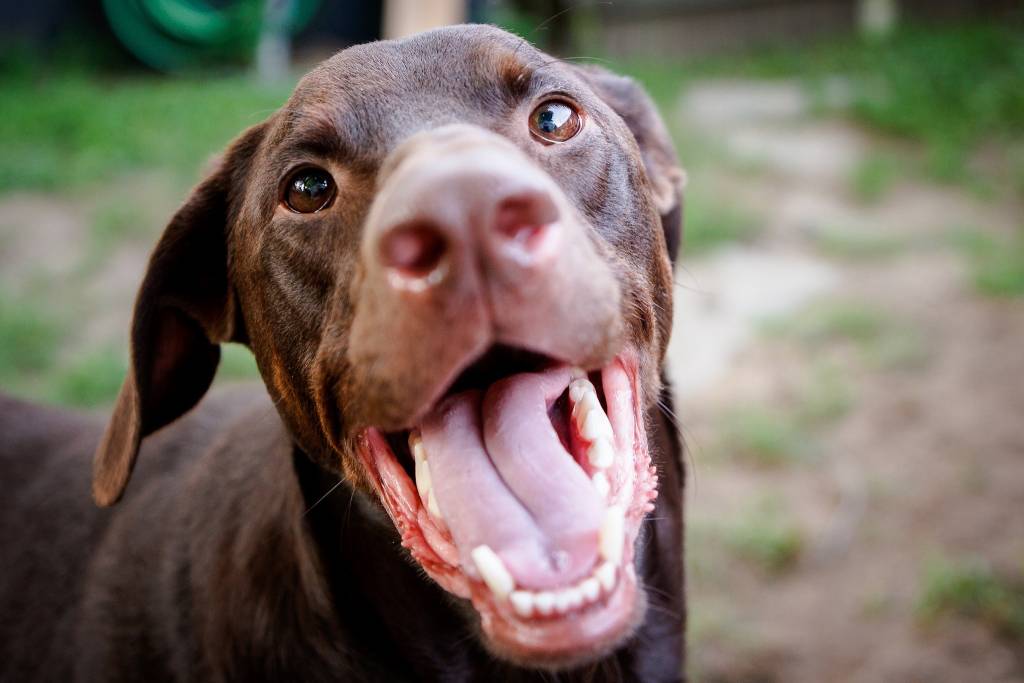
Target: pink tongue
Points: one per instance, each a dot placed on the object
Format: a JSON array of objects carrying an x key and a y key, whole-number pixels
[{"x": 510, "y": 484}]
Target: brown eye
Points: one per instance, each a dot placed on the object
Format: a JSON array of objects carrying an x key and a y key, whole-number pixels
[
  {"x": 309, "y": 189},
  {"x": 555, "y": 121}
]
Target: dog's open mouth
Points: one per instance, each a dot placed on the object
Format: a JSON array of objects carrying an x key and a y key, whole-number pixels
[{"x": 524, "y": 493}]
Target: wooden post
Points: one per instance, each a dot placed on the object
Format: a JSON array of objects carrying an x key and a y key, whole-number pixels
[
  {"x": 406, "y": 17},
  {"x": 877, "y": 17}
]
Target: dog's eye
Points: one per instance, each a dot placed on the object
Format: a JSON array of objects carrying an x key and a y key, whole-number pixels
[
  {"x": 308, "y": 190},
  {"x": 555, "y": 121}
]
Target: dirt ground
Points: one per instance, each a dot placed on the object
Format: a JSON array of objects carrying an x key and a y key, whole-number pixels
[
  {"x": 814, "y": 549},
  {"x": 853, "y": 405}
]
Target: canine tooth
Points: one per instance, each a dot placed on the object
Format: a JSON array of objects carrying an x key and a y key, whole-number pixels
[
  {"x": 600, "y": 481},
  {"x": 419, "y": 456},
  {"x": 612, "y": 535},
  {"x": 563, "y": 601},
  {"x": 432, "y": 507},
  {"x": 522, "y": 602},
  {"x": 577, "y": 373},
  {"x": 416, "y": 446},
  {"x": 596, "y": 425},
  {"x": 586, "y": 402},
  {"x": 544, "y": 602},
  {"x": 590, "y": 589},
  {"x": 605, "y": 575},
  {"x": 601, "y": 454},
  {"x": 492, "y": 571},
  {"x": 423, "y": 482},
  {"x": 579, "y": 387}
]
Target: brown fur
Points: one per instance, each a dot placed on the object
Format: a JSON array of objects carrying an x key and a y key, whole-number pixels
[{"x": 236, "y": 554}]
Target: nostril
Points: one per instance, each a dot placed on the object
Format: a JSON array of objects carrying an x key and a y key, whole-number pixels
[
  {"x": 523, "y": 219},
  {"x": 414, "y": 250}
]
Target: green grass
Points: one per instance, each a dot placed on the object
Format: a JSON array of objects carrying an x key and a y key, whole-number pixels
[
  {"x": 830, "y": 321},
  {"x": 786, "y": 431},
  {"x": 90, "y": 379},
  {"x": 765, "y": 537},
  {"x": 29, "y": 339},
  {"x": 64, "y": 131},
  {"x": 971, "y": 589},
  {"x": 881, "y": 341},
  {"x": 947, "y": 88},
  {"x": 762, "y": 435},
  {"x": 996, "y": 263},
  {"x": 710, "y": 223},
  {"x": 236, "y": 362},
  {"x": 873, "y": 177},
  {"x": 856, "y": 245}
]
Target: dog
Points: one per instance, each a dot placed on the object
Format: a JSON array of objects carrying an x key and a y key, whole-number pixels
[{"x": 451, "y": 256}]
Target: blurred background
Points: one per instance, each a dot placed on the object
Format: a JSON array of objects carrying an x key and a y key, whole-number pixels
[{"x": 849, "y": 342}]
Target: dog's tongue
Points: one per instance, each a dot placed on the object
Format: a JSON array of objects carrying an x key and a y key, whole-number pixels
[{"x": 502, "y": 478}]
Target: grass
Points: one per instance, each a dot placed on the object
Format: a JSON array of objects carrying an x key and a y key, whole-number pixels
[
  {"x": 711, "y": 223},
  {"x": 91, "y": 379},
  {"x": 947, "y": 88},
  {"x": 69, "y": 130},
  {"x": 783, "y": 433},
  {"x": 29, "y": 339},
  {"x": 766, "y": 537},
  {"x": 856, "y": 245},
  {"x": 830, "y": 321},
  {"x": 873, "y": 177},
  {"x": 236, "y": 363},
  {"x": 761, "y": 435},
  {"x": 971, "y": 589},
  {"x": 996, "y": 263},
  {"x": 880, "y": 341}
]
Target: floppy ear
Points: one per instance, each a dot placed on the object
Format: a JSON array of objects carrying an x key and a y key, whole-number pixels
[
  {"x": 184, "y": 309},
  {"x": 667, "y": 178}
]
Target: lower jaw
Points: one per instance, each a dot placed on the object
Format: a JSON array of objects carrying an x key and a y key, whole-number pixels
[
  {"x": 566, "y": 641},
  {"x": 554, "y": 640}
]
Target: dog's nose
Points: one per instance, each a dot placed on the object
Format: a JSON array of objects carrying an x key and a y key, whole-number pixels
[
  {"x": 471, "y": 205},
  {"x": 505, "y": 221}
]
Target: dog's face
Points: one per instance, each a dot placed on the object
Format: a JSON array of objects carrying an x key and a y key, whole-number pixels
[{"x": 451, "y": 258}]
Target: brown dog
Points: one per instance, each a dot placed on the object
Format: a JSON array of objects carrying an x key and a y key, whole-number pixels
[{"x": 450, "y": 256}]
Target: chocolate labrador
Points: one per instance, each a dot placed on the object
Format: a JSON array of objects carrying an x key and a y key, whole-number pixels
[{"x": 451, "y": 257}]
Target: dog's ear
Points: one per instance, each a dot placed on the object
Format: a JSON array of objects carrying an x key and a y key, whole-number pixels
[
  {"x": 667, "y": 178},
  {"x": 184, "y": 309}
]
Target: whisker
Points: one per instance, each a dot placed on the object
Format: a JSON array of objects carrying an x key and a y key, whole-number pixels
[{"x": 323, "y": 497}]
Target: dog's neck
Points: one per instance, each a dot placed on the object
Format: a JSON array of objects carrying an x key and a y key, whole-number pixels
[{"x": 406, "y": 622}]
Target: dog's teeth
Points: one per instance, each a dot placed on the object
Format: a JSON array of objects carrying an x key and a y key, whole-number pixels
[
  {"x": 612, "y": 535},
  {"x": 596, "y": 426},
  {"x": 578, "y": 387},
  {"x": 419, "y": 456},
  {"x": 601, "y": 454},
  {"x": 600, "y": 481},
  {"x": 522, "y": 602},
  {"x": 590, "y": 589},
  {"x": 605, "y": 575},
  {"x": 583, "y": 405},
  {"x": 575, "y": 597},
  {"x": 493, "y": 572},
  {"x": 432, "y": 507},
  {"x": 577, "y": 373},
  {"x": 423, "y": 482},
  {"x": 544, "y": 602},
  {"x": 563, "y": 600}
]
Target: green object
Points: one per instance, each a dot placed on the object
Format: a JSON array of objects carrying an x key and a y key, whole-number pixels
[{"x": 178, "y": 35}]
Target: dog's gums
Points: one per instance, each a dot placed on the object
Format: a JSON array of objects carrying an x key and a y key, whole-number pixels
[{"x": 526, "y": 498}]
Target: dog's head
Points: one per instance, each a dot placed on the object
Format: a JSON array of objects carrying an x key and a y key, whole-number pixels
[{"x": 450, "y": 256}]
